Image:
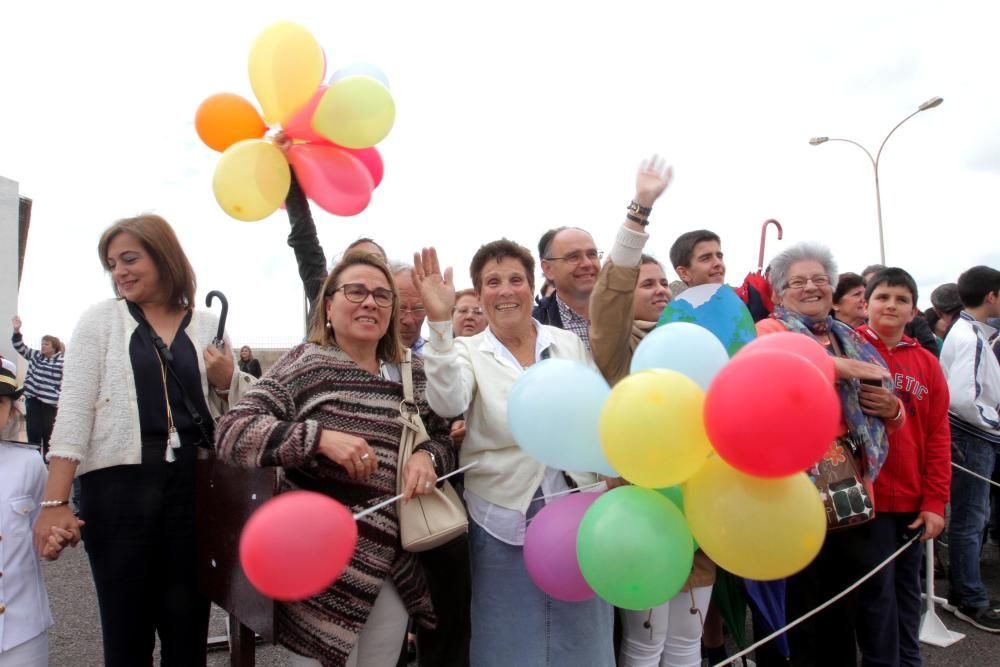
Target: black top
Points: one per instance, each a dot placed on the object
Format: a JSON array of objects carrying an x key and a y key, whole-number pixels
[{"x": 148, "y": 373}]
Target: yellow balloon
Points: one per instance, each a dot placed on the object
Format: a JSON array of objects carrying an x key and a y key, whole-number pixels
[
  {"x": 355, "y": 112},
  {"x": 755, "y": 527},
  {"x": 286, "y": 66},
  {"x": 251, "y": 180},
  {"x": 652, "y": 429}
]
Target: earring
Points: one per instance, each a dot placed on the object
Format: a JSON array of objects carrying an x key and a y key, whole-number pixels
[{"x": 328, "y": 325}]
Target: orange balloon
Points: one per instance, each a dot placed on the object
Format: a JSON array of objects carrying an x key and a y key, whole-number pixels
[{"x": 225, "y": 118}]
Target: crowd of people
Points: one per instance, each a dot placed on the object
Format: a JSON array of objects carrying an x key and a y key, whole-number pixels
[{"x": 144, "y": 388}]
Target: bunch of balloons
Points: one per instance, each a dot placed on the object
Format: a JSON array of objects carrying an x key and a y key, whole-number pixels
[
  {"x": 333, "y": 128},
  {"x": 714, "y": 449}
]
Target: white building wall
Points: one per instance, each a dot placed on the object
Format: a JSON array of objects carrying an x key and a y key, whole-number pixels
[{"x": 9, "y": 207}]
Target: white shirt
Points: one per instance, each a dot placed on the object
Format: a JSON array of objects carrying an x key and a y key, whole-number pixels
[
  {"x": 24, "y": 603},
  {"x": 973, "y": 377}
]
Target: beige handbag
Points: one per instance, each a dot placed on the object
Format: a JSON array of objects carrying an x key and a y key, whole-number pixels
[{"x": 430, "y": 520}]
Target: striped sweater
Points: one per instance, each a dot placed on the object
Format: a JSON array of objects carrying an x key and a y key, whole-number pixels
[
  {"x": 44, "y": 378},
  {"x": 278, "y": 423}
]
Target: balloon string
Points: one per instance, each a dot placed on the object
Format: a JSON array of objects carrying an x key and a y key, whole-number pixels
[{"x": 389, "y": 501}]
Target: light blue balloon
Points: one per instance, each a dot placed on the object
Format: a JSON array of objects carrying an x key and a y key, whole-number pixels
[
  {"x": 718, "y": 309},
  {"x": 553, "y": 411},
  {"x": 683, "y": 347},
  {"x": 360, "y": 69}
]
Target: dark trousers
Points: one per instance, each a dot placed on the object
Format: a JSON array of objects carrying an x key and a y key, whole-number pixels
[
  {"x": 447, "y": 570},
  {"x": 840, "y": 563},
  {"x": 39, "y": 419},
  {"x": 889, "y": 603},
  {"x": 140, "y": 538}
]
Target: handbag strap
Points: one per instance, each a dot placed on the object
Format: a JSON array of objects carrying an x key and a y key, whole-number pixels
[{"x": 166, "y": 356}]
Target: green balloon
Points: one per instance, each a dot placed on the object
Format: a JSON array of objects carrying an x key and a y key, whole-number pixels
[
  {"x": 676, "y": 496},
  {"x": 634, "y": 548}
]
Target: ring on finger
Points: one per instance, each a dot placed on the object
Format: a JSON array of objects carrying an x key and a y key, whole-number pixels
[
  {"x": 364, "y": 456},
  {"x": 427, "y": 485}
]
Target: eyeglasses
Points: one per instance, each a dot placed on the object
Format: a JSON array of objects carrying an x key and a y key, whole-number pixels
[
  {"x": 465, "y": 310},
  {"x": 799, "y": 283},
  {"x": 357, "y": 293},
  {"x": 416, "y": 311},
  {"x": 575, "y": 258}
]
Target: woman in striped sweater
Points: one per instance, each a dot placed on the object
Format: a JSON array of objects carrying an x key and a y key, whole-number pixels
[
  {"x": 328, "y": 413},
  {"x": 41, "y": 384}
]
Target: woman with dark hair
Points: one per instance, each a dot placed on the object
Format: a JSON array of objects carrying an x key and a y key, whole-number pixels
[
  {"x": 327, "y": 413},
  {"x": 513, "y": 622},
  {"x": 41, "y": 385},
  {"x": 804, "y": 278},
  {"x": 142, "y": 387},
  {"x": 849, "y": 300},
  {"x": 247, "y": 363}
]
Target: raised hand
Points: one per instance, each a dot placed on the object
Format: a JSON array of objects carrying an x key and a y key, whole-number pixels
[
  {"x": 437, "y": 290},
  {"x": 16, "y": 321},
  {"x": 651, "y": 180}
]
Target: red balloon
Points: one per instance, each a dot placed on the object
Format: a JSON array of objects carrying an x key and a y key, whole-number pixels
[
  {"x": 297, "y": 544},
  {"x": 798, "y": 344},
  {"x": 372, "y": 160},
  {"x": 299, "y": 126},
  {"x": 333, "y": 178},
  {"x": 772, "y": 413}
]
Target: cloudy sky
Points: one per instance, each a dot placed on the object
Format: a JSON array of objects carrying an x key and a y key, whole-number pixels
[{"x": 511, "y": 118}]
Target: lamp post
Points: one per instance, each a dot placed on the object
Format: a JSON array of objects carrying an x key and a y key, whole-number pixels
[{"x": 816, "y": 141}]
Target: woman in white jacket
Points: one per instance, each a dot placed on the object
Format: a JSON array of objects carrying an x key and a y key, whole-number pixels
[
  {"x": 142, "y": 385},
  {"x": 513, "y": 622}
]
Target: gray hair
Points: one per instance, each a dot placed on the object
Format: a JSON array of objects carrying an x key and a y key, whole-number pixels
[
  {"x": 806, "y": 251},
  {"x": 396, "y": 268}
]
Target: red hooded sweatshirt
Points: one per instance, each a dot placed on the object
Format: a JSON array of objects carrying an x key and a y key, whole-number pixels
[{"x": 916, "y": 476}]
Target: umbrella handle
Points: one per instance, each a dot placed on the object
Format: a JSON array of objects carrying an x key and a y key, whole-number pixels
[
  {"x": 218, "y": 341},
  {"x": 763, "y": 238}
]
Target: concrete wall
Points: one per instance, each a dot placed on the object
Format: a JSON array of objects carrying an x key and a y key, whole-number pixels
[{"x": 9, "y": 208}]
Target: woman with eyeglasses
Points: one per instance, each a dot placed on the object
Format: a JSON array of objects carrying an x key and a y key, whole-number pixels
[
  {"x": 804, "y": 278},
  {"x": 327, "y": 412},
  {"x": 468, "y": 318}
]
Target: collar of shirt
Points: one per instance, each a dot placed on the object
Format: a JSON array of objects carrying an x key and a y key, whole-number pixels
[
  {"x": 492, "y": 344},
  {"x": 984, "y": 328},
  {"x": 572, "y": 321},
  {"x": 418, "y": 346}
]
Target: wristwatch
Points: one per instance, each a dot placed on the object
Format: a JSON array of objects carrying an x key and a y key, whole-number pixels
[{"x": 636, "y": 209}]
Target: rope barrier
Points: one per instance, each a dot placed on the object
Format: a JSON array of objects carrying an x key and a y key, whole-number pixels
[
  {"x": 974, "y": 474},
  {"x": 808, "y": 615}
]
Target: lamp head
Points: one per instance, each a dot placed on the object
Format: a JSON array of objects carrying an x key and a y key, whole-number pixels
[
  {"x": 816, "y": 141},
  {"x": 930, "y": 104}
]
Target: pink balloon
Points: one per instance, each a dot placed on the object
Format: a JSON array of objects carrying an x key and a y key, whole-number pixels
[
  {"x": 372, "y": 160},
  {"x": 550, "y": 548},
  {"x": 297, "y": 544},
  {"x": 299, "y": 126},
  {"x": 795, "y": 343},
  {"x": 333, "y": 178}
]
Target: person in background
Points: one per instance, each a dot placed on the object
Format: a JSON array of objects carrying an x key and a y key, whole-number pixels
[
  {"x": 513, "y": 622},
  {"x": 630, "y": 294},
  {"x": 974, "y": 388},
  {"x": 570, "y": 260},
  {"x": 411, "y": 309},
  {"x": 324, "y": 414},
  {"x": 41, "y": 385},
  {"x": 849, "y": 300},
  {"x": 247, "y": 363},
  {"x": 143, "y": 385},
  {"x": 468, "y": 318},
  {"x": 911, "y": 490},
  {"x": 946, "y": 304}
]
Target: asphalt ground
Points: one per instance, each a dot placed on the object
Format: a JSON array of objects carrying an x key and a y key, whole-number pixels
[{"x": 75, "y": 639}]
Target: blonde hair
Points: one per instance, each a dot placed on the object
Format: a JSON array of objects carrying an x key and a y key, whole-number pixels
[{"x": 389, "y": 346}]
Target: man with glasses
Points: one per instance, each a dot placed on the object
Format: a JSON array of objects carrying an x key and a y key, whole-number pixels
[
  {"x": 411, "y": 309},
  {"x": 571, "y": 261}
]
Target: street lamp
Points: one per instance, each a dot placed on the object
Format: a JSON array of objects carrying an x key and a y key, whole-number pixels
[{"x": 816, "y": 141}]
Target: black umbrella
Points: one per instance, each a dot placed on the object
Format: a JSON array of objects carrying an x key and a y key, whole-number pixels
[{"x": 218, "y": 340}]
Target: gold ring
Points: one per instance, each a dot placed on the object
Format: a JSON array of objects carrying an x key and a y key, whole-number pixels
[{"x": 427, "y": 485}]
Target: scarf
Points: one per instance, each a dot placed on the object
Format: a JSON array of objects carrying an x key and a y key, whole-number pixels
[{"x": 868, "y": 431}]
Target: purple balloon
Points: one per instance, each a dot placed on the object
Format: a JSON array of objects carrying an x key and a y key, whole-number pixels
[{"x": 550, "y": 548}]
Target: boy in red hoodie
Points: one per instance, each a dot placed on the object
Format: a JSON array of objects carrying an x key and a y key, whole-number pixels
[{"x": 912, "y": 489}]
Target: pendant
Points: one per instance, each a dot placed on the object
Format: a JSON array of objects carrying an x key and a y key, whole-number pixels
[{"x": 173, "y": 442}]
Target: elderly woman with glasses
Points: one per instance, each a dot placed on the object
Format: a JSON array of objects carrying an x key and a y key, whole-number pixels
[
  {"x": 804, "y": 278},
  {"x": 327, "y": 412},
  {"x": 513, "y": 622}
]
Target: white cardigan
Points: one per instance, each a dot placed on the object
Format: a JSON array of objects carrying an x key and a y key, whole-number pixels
[
  {"x": 97, "y": 423},
  {"x": 464, "y": 376}
]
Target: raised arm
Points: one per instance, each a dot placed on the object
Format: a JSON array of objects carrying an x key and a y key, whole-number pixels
[
  {"x": 18, "y": 342},
  {"x": 611, "y": 303}
]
